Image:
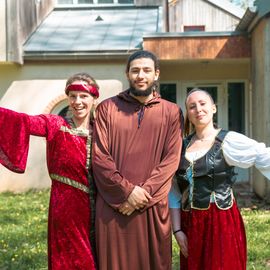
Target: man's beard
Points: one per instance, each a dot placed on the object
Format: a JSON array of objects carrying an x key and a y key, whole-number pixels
[{"x": 142, "y": 93}]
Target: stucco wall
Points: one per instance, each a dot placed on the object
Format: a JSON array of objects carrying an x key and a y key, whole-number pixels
[
  {"x": 116, "y": 70},
  {"x": 261, "y": 95},
  {"x": 50, "y": 70},
  {"x": 50, "y": 95}
]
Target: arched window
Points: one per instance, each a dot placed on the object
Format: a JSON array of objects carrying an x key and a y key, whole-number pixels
[
  {"x": 61, "y": 108},
  {"x": 63, "y": 112}
]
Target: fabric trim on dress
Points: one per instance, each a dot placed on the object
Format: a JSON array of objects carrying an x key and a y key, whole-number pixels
[
  {"x": 70, "y": 182},
  {"x": 77, "y": 132}
]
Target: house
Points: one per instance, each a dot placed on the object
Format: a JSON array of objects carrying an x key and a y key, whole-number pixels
[
  {"x": 44, "y": 42},
  {"x": 210, "y": 44}
]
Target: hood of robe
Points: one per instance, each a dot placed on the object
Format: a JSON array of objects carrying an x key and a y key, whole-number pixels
[
  {"x": 138, "y": 106},
  {"x": 128, "y": 98}
]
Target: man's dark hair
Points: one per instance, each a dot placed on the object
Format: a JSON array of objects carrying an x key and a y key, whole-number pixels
[{"x": 142, "y": 54}]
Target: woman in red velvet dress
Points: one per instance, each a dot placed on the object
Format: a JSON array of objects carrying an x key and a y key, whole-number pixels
[
  {"x": 209, "y": 228},
  {"x": 72, "y": 201}
]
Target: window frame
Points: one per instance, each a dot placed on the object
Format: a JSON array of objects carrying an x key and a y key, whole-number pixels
[
  {"x": 194, "y": 28},
  {"x": 95, "y": 2}
]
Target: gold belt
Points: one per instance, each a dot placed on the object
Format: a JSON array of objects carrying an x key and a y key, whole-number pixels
[{"x": 70, "y": 182}]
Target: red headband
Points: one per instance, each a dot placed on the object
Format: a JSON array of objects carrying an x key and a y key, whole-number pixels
[{"x": 91, "y": 89}]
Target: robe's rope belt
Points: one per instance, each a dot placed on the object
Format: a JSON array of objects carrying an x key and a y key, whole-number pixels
[{"x": 70, "y": 182}]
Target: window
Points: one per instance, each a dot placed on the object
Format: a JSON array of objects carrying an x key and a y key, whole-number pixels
[
  {"x": 85, "y": 1},
  {"x": 236, "y": 102},
  {"x": 62, "y": 2},
  {"x": 192, "y": 28},
  {"x": 95, "y": 2},
  {"x": 125, "y": 1},
  {"x": 168, "y": 91},
  {"x": 105, "y": 1},
  {"x": 64, "y": 111}
]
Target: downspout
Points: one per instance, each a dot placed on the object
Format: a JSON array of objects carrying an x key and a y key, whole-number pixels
[
  {"x": 267, "y": 85},
  {"x": 167, "y": 23},
  {"x": 250, "y": 130},
  {"x": 6, "y": 29},
  {"x": 13, "y": 50}
]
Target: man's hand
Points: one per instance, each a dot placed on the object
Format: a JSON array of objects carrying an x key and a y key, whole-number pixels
[
  {"x": 182, "y": 241},
  {"x": 138, "y": 198},
  {"x": 126, "y": 209}
]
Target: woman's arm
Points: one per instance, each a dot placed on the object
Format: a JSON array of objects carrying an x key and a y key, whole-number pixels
[
  {"x": 179, "y": 235},
  {"x": 243, "y": 152},
  {"x": 175, "y": 213},
  {"x": 15, "y": 131}
]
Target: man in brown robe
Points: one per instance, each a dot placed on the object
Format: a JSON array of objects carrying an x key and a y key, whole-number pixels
[{"x": 136, "y": 151}]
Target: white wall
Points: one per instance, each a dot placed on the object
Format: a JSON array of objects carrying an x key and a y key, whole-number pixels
[{"x": 39, "y": 96}]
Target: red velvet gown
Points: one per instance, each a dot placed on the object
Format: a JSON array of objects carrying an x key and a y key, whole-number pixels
[
  {"x": 71, "y": 209},
  {"x": 216, "y": 239}
]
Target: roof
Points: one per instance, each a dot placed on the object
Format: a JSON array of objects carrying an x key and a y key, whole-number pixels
[
  {"x": 263, "y": 8},
  {"x": 228, "y": 6},
  {"x": 95, "y": 30},
  {"x": 247, "y": 19},
  {"x": 253, "y": 15}
]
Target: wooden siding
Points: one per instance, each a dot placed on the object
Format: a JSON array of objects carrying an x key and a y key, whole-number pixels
[
  {"x": 22, "y": 18},
  {"x": 185, "y": 48},
  {"x": 199, "y": 12}
]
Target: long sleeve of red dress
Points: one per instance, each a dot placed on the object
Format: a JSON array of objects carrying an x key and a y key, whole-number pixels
[{"x": 14, "y": 135}]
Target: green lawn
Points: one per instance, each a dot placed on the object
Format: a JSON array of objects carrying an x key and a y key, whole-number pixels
[{"x": 23, "y": 230}]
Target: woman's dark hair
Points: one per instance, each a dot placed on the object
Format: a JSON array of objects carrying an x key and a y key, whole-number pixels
[
  {"x": 142, "y": 54},
  {"x": 188, "y": 126}
]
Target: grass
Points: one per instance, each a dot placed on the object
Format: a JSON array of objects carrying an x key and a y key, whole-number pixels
[
  {"x": 23, "y": 230},
  {"x": 23, "y": 233}
]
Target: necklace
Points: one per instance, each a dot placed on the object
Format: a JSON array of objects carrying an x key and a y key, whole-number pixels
[{"x": 209, "y": 138}]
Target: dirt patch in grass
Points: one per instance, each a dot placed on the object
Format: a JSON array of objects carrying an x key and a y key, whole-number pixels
[{"x": 248, "y": 200}]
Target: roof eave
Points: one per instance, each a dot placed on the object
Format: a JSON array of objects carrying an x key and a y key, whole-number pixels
[
  {"x": 65, "y": 56},
  {"x": 247, "y": 19},
  {"x": 228, "y": 7},
  {"x": 193, "y": 34}
]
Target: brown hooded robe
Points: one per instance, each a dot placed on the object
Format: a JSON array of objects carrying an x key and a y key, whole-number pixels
[{"x": 135, "y": 144}]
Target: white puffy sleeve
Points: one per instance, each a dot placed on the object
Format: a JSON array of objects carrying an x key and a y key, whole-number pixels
[{"x": 243, "y": 152}]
